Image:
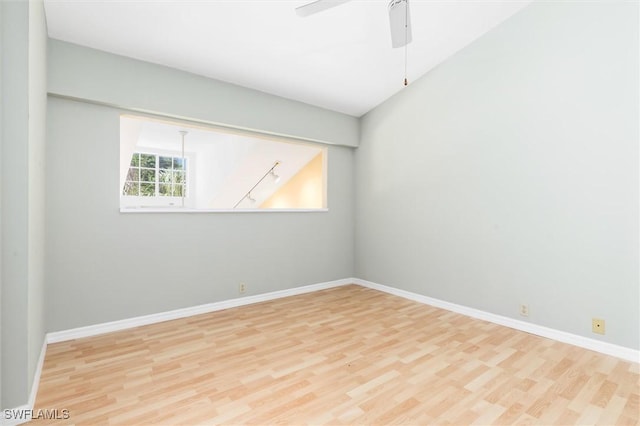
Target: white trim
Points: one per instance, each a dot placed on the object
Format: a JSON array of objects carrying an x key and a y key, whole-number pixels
[
  {"x": 36, "y": 375},
  {"x": 27, "y": 408},
  {"x": 171, "y": 209},
  {"x": 94, "y": 330},
  {"x": 622, "y": 352}
]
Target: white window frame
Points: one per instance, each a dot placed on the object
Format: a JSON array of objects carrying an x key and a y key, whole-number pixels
[{"x": 162, "y": 201}]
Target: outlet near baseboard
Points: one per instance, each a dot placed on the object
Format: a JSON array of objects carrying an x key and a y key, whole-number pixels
[{"x": 597, "y": 325}]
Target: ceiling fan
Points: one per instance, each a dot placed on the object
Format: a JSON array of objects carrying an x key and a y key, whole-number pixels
[{"x": 399, "y": 19}]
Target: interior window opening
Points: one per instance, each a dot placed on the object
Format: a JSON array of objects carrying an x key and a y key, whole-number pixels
[{"x": 170, "y": 165}]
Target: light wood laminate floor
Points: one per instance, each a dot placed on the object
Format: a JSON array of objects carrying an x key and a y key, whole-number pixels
[{"x": 348, "y": 355}]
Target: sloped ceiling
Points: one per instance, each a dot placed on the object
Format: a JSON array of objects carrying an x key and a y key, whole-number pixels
[{"x": 340, "y": 59}]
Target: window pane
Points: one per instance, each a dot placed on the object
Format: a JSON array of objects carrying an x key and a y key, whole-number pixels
[
  {"x": 165, "y": 189},
  {"x": 147, "y": 189},
  {"x": 179, "y": 163},
  {"x": 165, "y": 162},
  {"x": 148, "y": 160},
  {"x": 178, "y": 177},
  {"x": 130, "y": 188},
  {"x": 177, "y": 190},
  {"x": 164, "y": 176},
  {"x": 135, "y": 159},
  {"x": 133, "y": 174},
  {"x": 147, "y": 175}
]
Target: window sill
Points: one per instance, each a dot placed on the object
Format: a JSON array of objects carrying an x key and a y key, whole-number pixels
[{"x": 156, "y": 209}]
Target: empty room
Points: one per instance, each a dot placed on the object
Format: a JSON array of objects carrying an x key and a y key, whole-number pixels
[{"x": 417, "y": 212}]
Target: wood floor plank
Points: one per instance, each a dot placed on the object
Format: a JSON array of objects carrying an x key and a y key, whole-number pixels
[{"x": 348, "y": 355}]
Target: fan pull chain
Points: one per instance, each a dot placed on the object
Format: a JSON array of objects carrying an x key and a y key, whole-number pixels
[{"x": 405, "y": 65}]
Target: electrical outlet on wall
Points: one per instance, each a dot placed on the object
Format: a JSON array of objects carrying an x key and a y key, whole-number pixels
[
  {"x": 597, "y": 325},
  {"x": 524, "y": 310},
  {"x": 242, "y": 288}
]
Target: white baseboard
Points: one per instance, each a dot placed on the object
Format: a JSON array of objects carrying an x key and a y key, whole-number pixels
[
  {"x": 94, "y": 330},
  {"x": 38, "y": 372},
  {"x": 622, "y": 352},
  {"x": 22, "y": 414}
]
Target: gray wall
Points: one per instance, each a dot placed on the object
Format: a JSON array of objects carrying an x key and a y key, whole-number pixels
[
  {"x": 90, "y": 74},
  {"x": 15, "y": 137},
  {"x": 23, "y": 126},
  {"x": 36, "y": 157},
  {"x": 2, "y": 177},
  {"x": 509, "y": 174},
  {"x": 103, "y": 265}
]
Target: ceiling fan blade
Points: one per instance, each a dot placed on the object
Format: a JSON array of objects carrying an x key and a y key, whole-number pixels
[
  {"x": 318, "y": 6},
  {"x": 400, "y": 22}
]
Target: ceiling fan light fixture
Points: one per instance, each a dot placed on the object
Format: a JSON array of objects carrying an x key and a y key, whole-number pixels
[
  {"x": 399, "y": 19},
  {"x": 400, "y": 23}
]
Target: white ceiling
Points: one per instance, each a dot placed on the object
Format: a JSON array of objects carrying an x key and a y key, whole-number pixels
[{"x": 340, "y": 59}]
